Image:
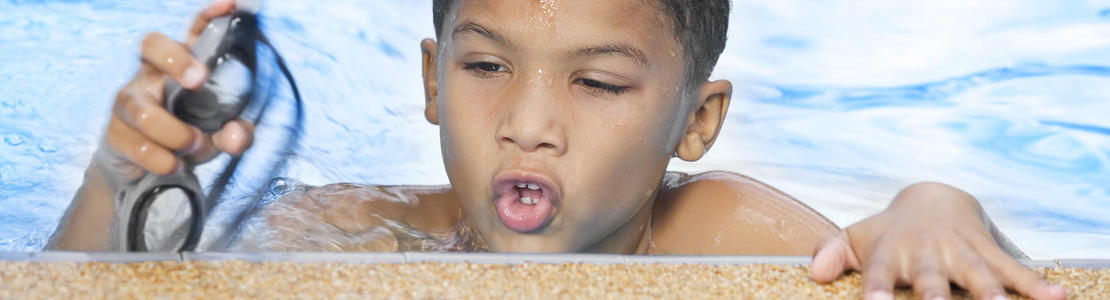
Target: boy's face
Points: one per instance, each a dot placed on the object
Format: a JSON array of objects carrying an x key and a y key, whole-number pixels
[{"x": 558, "y": 118}]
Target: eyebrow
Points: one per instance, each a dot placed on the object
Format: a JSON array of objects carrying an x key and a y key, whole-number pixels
[
  {"x": 475, "y": 28},
  {"x": 614, "y": 49},
  {"x": 620, "y": 49}
]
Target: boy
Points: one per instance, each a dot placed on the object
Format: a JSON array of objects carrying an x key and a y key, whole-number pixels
[{"x": 557, "y": 121}]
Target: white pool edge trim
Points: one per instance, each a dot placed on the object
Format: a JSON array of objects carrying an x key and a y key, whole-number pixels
[{"x": 443, "y": 257}]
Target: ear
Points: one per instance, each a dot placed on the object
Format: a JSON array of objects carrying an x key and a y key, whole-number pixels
[
  {"x": 705, "y": 120},
  {"x": 431, "y": 90}
]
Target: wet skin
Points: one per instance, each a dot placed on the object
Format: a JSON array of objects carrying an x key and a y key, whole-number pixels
[
  {"x": 708, "y": 213},
  {"x": 537, "y": 91},
  {"x": 587, "y": 99}
]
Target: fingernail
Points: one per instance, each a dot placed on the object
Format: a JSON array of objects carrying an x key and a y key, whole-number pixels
[
  {"x": 880, "y": 295},
  {"x": 1056, "y": 290},
  {"x": 220, "y": 2},
  {"x": 193, "y": 76}
]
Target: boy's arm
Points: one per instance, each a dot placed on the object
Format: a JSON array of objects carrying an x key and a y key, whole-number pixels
[
  {"x": 86, "y": 225},
  {"x": 930, "y": 235},
  {"x": 142, "y": 136}
]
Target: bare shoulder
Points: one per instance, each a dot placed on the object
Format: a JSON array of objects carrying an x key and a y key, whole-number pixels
[
  {"x": 722, "y": 212},
  {"x": 347, "y": 217}
]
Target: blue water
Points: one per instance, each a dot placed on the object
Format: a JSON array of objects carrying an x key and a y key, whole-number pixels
[{"x": 839, "y": 103}]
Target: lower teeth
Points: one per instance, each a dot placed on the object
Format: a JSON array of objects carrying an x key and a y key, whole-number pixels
[{"x": 526, "y": 200}]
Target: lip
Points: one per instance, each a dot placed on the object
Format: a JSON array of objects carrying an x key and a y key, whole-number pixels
[{"x": 504, "y": 183}]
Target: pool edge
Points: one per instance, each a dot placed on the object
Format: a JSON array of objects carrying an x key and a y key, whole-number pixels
[{"x": 442, "y": 257}]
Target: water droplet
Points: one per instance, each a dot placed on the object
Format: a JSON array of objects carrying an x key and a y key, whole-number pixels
[
  {"x": 47, "y": 147},
  {"x": 14, "y": 139}
]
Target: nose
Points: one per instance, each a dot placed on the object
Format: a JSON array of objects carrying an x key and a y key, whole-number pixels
[{"x": 533, "y": 121}]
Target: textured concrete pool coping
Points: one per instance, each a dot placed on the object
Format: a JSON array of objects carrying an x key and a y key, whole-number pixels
[{"x": 453, "y": 275}]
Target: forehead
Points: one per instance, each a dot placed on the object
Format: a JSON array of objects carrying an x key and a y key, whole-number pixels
[{"x": 554, "y": 23}]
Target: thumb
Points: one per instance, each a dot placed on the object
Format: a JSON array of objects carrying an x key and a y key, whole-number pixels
[{"x": 832, "y": 257}]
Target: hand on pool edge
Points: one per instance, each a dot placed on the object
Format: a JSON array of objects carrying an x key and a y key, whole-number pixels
[{"x": 930, "y": 235}]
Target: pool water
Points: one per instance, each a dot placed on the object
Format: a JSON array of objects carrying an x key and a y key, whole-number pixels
[{"x": 839, "y": 103}]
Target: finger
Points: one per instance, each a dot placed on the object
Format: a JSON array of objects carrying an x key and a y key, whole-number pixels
[
  {"x": 235, "y": 137},
  {"x": 928, "y": 281},
  {"x": 173, "y": 59},
  {"x": 977, "y": 277},
  {"x": 151, "y": 80},
  {"x": 1013, "y": 274},
  {"x": 931, "y": 285},
  {"x": 832, "y": 258},
  {"x": 140, "y": 150},
  {"x": 1026, "y": 282},
  {"x": 137, "y": 110},
  {"x": 879, "y": 275},
  {"x": 218, "y": 8},
  {"x": 205, "y": 151}
]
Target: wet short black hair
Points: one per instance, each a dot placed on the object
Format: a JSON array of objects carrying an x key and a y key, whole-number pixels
[{"x": 700, "y": 27}]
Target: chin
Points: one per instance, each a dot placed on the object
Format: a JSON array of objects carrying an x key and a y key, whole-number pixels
[{"x": 515, "y": 242}]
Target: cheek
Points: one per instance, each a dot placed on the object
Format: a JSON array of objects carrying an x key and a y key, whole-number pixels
[
  {"x": 466, "y": 135},
  {"x": 466, "y": 111},
  {"x": 621, "y": 151},
  {"x": 674, "y": 125},
  {"x": 634, "y": 132},
  {"x": 463, "y": 96}
]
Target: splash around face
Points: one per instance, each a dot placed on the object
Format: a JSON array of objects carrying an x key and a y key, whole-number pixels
[{"x": 591, "y": 130}]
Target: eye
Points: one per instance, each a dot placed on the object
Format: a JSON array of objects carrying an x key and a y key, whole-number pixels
[
  {"x": 484, "y": 69},
  {"x": 603, "y": 87}
]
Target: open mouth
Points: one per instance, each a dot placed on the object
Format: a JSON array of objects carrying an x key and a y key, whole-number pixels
[{"x": 525, "y": 203}]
